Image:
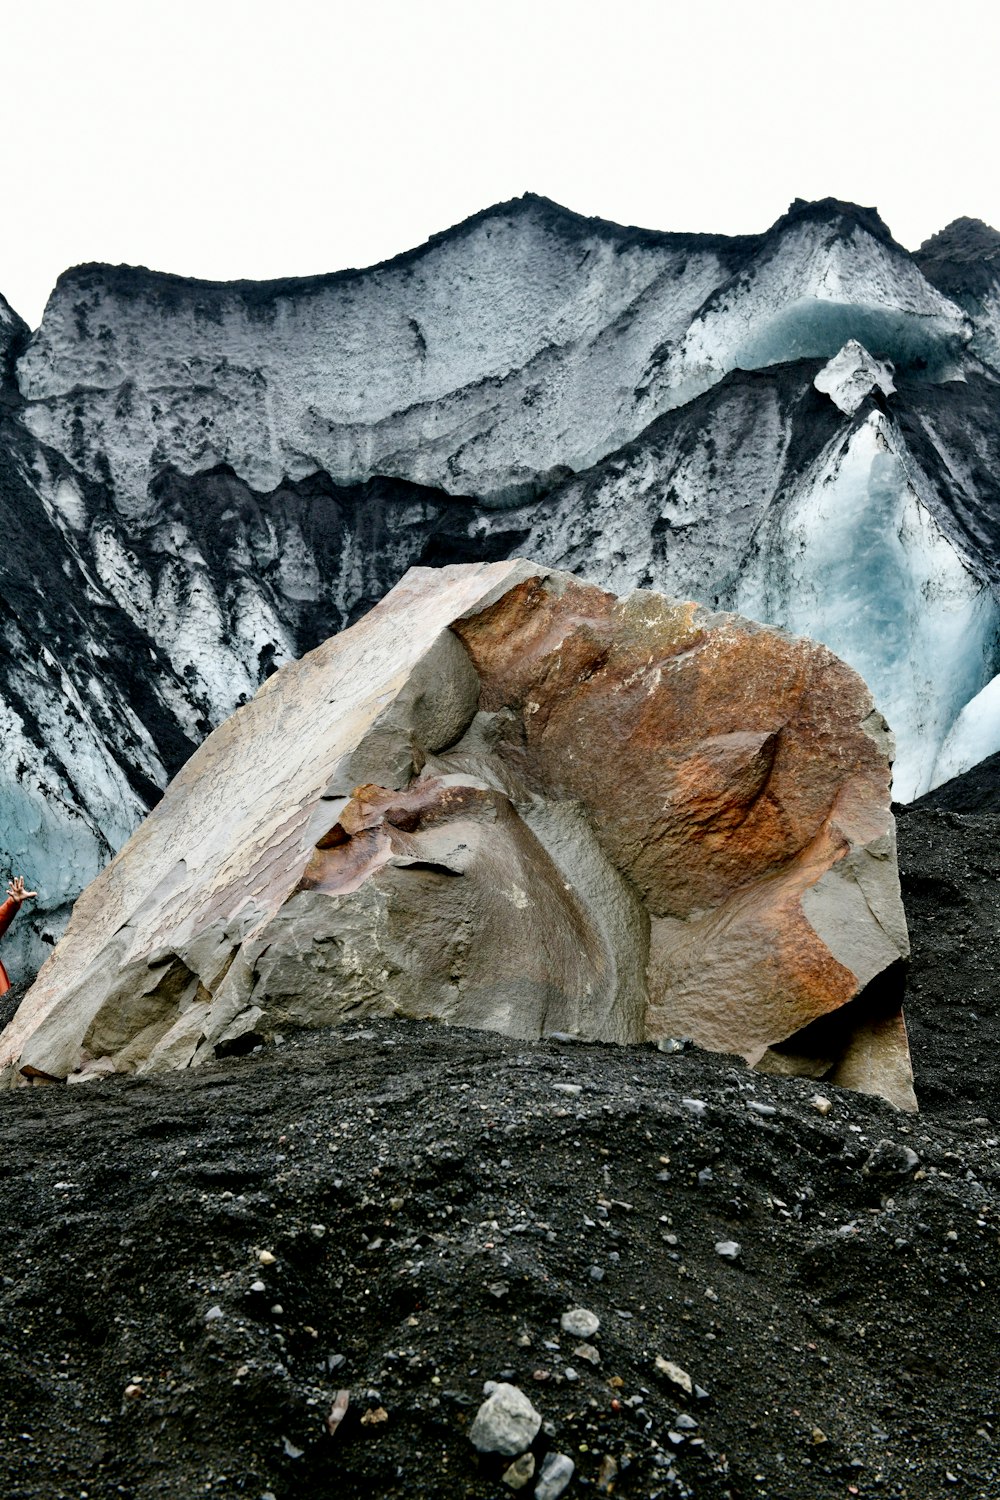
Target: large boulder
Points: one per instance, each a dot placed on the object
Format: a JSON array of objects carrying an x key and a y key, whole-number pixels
[{"x": 507, "y": 799}]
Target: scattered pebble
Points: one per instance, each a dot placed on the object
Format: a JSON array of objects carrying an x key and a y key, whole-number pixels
[
  {"x": 580, "y": 1323},
  {"x": 266, "y": 1257},
  {"x": 607, "y": 1474},
  {"x": 506, "y": 1422},
  {"x": 675, "y": 1374},
  {"x": 520, "y": 1472},
  {"x": 338, "y": 1411},
  {"x": 589, "y": 1353},
  {"x": 821, "y": 1104},
  {"x": 890, "y": 1159},
  {"x": 555, "y": 1475},
  {"x": 728, "y": 1249}
]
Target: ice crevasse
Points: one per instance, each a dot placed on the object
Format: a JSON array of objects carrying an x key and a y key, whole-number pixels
[{"x": 857, "y": 560}]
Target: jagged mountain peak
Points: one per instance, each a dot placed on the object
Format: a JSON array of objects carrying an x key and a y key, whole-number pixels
[
  {"x": 963, "y": 259},
  {"x": 963, "y": 239},
  {"x": 839, "y": 214}
]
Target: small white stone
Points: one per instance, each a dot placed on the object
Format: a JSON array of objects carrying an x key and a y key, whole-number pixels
[
  {"x": 675, "y": 1374},
  {"x": 580, "y": 1323},
  {"x": 506, "y": 1422}
]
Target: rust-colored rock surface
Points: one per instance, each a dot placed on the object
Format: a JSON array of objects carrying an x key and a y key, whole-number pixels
[{"x": 507, "y": 799}]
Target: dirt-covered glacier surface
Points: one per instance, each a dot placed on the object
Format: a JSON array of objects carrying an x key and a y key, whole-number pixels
[{"x": 194, "y": 1266}]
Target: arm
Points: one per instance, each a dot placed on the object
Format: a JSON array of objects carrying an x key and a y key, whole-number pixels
[{"x": 16, "y": 894}]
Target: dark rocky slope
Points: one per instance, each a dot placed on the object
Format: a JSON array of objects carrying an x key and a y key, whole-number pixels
[
  {"x": 949, "y": 866},
  {"x": 469, "y": 1195}
]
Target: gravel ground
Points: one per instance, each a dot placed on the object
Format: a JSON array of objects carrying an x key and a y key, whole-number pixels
[{"x": 195, "y": 1265}]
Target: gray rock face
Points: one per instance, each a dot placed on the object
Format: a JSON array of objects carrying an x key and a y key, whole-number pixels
[{"x": 199, "y": 482}]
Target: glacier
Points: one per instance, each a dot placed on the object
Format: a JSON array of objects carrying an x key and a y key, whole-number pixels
[
  {"x": 857, "y": 561},
  {"x": 199, "y": 481}
]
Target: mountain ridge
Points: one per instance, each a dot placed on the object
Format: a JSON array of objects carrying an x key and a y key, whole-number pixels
[{"x": 126, "y": 275}]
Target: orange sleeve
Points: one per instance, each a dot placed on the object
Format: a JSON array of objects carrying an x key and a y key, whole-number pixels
[{"x": 8, "y": 912}]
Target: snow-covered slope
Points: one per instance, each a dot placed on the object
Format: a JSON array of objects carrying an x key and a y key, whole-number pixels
[
  {"x": 199, "y": 480},
  {"x": 507, "y": 348}
]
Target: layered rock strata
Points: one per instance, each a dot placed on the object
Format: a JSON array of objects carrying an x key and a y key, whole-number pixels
[{"x": 507, "y": 799}]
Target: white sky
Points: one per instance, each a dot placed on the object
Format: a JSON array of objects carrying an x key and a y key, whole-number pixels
[{"x": 222, "y": 140}]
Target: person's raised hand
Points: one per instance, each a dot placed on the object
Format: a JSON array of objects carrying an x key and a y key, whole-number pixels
[{"x": 16, "y": 891}]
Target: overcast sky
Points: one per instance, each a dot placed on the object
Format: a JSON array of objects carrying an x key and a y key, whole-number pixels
[{"x": 249, "y": 140}]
